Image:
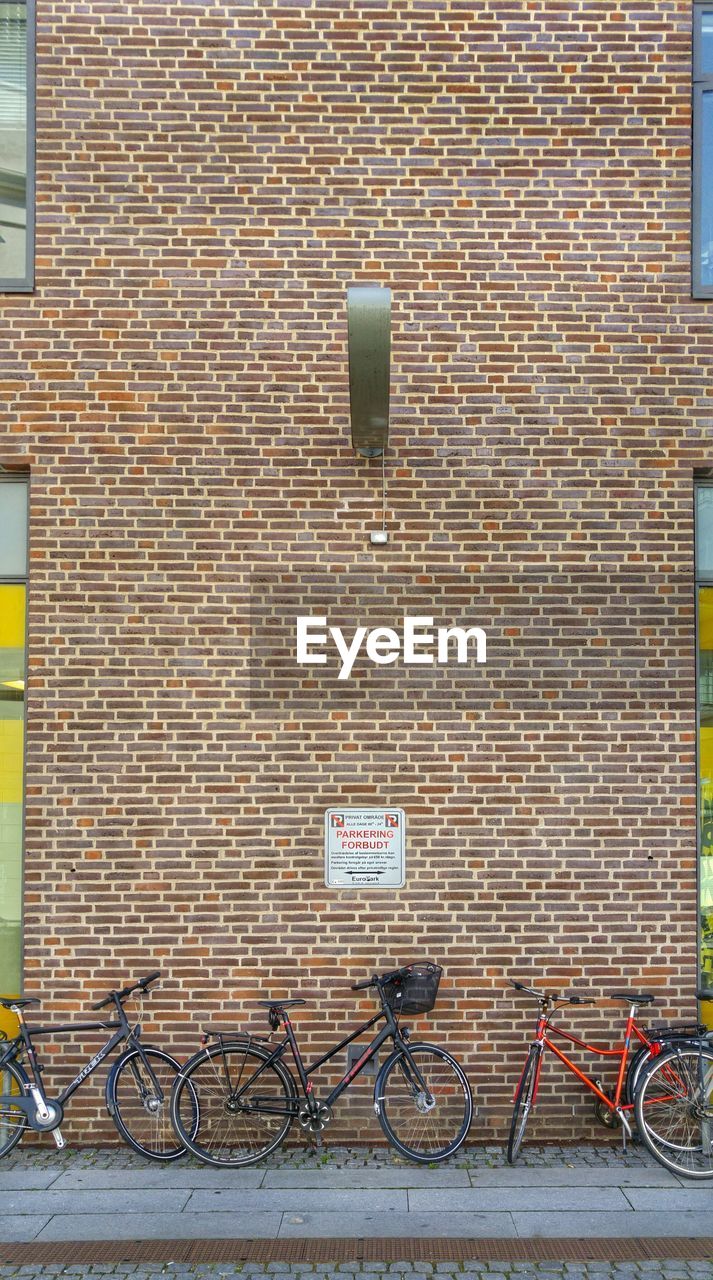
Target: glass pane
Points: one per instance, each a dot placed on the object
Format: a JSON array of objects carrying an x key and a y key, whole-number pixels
[
  {"x": 705, "y": 211},
  {"x": 13, "y": 529},
  {"x": 12, "y": 728},
  {"x": 704, "y": 530},
  {"x": 13, "y": 141},
  {"x": 705, "y": 42}
]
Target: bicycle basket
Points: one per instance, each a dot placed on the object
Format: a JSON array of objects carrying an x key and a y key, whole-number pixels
[{"x": 414, "y": 988}]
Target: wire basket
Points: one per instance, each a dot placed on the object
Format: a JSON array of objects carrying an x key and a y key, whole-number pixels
[{"x": 414, "y": 988}]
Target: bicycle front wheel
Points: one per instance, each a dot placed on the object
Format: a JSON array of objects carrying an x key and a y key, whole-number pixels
[
  {"x": 139, "y": 1100},
  {"x": 524, "y": 1098},
  {"x": 424, "y": 1102},
  {"x": 244, "y": 1107},
  {"x": 674, "y": 1110},
  {"x": 13, "y": 1120}
]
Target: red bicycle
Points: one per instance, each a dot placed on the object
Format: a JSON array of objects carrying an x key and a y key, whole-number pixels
[{"x": 610, "y": 1109}]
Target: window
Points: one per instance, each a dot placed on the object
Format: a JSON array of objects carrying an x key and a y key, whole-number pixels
[
  {"x": 16, "y": 145},
  {"x": 13, "y": 597}
]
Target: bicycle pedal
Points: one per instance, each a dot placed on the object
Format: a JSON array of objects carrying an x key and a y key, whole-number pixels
[{"x": 60, "y": 1141}]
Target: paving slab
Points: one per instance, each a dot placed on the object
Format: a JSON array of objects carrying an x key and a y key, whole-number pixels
[
  {"x": 21, "y": 1226},
  {"x": 158, "y": 1226},
  {"x": 429, "y": 1225},
  {"x": 28, "y": 1179},
  {"x": 525, "y": 1199},
  {"x": 612, "y": 1226},
  {"x": 401, "y": 1176},
  {"x": 295, "y": 1200},
  {"x": 692, "y": 1197},
  {"x": 568, "y": 1176},
  {"x": 85, "y": 1202},
  {"x": 163, "y": 1177}
]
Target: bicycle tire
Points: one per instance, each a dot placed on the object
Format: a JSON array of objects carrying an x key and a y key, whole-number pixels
[
  {"x": 222, "y": 1137},
  {"x": 133, "y": 1103},
  {"x": 11, "y": 1118},
  {"x": 674, "y": 1110},
  {"x": 401, "y": 1104},
  {"x": 524, "y": 1097}
]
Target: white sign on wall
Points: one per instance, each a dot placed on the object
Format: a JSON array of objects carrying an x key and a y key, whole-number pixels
[{"x": 364, "y": 848}]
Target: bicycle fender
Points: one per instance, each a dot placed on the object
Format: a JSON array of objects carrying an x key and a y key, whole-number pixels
[
  {"x": 379, "y": 1086},
  {"x": 116, "y": 1068}
]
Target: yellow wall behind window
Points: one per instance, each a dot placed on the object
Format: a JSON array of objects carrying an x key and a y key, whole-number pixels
[{"x": 12, "y": 617}]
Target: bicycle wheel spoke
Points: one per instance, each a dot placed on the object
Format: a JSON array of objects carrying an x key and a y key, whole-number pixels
[
  {"x": 12, "y": 1118},
  {"x": 141, "y": 1098},
  {"x": 243, "y": 1107},
  {"x": 674, "y": 1111},
  {"x": 426, "y": 1120}
]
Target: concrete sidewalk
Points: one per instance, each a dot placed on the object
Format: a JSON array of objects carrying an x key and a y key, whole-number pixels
[{"x": 581, "y": 1192}]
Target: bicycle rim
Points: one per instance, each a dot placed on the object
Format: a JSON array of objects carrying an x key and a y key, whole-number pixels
[
  {"x": 244, "y": 1108},
  {"x": 523, "y": 1105},
  {"x": 674, "y": 1111},
  {"x": 13, "y": 1120},
  {"x": 142, "y": 1117},
  {"x": 425, "y": 1125}
]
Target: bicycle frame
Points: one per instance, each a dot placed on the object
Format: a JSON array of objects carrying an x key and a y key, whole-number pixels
[
  {"x": 390, "y": 1031},
  {"x": 124, "y": 1031},
  {"x": 542, "y": 1038}
]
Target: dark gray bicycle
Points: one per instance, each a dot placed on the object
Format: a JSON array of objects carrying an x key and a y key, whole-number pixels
[{"x": 138, "y": 1087}]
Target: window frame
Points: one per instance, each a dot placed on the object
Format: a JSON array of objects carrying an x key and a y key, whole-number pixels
[
  {"x": 702, "y": 83},
  {"x": 700, "y": 580},
  {"x": 26, "y": 283},
  {"x": 7, "y": 579}
]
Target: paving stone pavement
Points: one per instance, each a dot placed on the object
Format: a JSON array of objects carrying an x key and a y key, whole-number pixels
[
  {"x": 566, "y": 1192},
  {"x": 469, "y": 1270}
]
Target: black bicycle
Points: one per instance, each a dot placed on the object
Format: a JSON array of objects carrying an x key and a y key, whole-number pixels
[
  {"x": 247, "y": 1099},
  {"x": 138, "y": 1087}
]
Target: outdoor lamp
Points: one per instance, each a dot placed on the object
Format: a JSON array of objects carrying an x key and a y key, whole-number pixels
[{"x": 369, "y": 342}]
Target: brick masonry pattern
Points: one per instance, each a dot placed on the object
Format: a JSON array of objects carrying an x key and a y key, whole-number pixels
[{"x": 210, "y": 178}]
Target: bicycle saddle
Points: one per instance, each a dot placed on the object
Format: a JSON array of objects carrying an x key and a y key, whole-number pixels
[
  {"x": 279, "y": 1004},
  {"x": 8, "y": 1001},
  {"x": 631, "y": 998}
]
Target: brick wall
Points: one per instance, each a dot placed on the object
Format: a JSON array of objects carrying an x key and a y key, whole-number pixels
[{"x": 210, "y": 179}]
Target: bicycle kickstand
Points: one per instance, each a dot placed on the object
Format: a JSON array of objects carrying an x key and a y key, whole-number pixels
[
  {"x": 625, "y": 1130},
  {"x": 59, "y": 1140}
]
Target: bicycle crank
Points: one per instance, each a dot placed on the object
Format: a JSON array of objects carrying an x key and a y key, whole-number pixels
[{"x": 315, "y": 1120}]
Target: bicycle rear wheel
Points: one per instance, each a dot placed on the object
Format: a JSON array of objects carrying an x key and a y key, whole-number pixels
[
  {"x": 524, "y": 1098},
  {"x": 13, "y": 1120},
  {"x": 244, "y": 1108},
  {"x": 136, "y": 1105},
  {"x": 425, "y": 1125},
  {"x": 674, "y": 1110}
]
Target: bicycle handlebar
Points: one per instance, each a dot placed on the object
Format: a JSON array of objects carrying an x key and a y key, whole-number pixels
[
  {"x": 544, "y": 995},
  {"x": 375, "y": 980},
  {"x": 142, "y": 985}
]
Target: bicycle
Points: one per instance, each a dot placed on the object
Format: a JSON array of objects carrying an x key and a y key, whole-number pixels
[
  {"x": 674, "y": 1105},
  {"x": 248, "y": 1099},
  {"x": 610, "y": 1109},
  {"x": 137, "y": 1089}
]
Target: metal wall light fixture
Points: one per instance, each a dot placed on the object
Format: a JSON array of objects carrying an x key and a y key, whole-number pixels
[
  {"x": 369, "y": 334},
  {"x": 369, "y": 341}
]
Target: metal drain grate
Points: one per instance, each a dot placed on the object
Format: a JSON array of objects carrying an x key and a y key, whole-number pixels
[{"x": 388, "y": 1249}]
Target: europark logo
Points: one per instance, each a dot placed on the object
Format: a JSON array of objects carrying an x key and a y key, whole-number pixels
[{"x": 417, "y": 642}]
